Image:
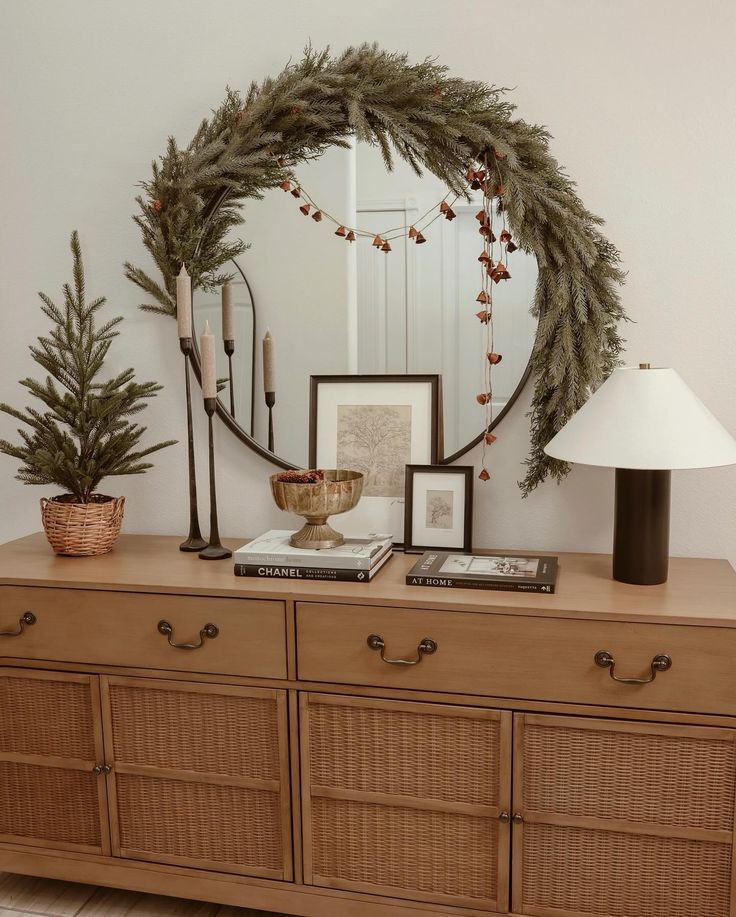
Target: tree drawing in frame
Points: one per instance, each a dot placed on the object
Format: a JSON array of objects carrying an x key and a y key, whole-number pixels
[
  {"x": 375, "y": 439},
  {"x": 439, "y": 509}
]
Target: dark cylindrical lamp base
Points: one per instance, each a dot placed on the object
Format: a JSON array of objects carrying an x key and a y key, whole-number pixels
[{"x": 641, "y": 533}]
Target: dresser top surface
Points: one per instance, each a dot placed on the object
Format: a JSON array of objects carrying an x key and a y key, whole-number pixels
[{"x": 698, "y": 591}]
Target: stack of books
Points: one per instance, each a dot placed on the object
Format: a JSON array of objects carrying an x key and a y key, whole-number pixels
[
  {"x": 271, "y": 555},
  {"x": 507, "y": 572}
]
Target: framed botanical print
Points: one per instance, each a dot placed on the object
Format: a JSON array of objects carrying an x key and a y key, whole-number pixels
[
  {"x": 438, "y": 508},
  {"x": 377, "y": 424}
]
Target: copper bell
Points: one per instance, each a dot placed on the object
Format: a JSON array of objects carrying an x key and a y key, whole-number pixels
[
  {"x": 412, "y": 233},
  {"x": 317, "y": 216},
  {"x": 340, "y": 231},
  {"x": 377, "y": 242},
  {"x": 483, "y": 316},
  {"x": 494, "y": 358},
  {"x": 350, "y": 237},
  {"x": 444, "y": 207},
  {"x": 485, "y": 231},
  {"x": 285, "y": 185},
  {"x": 482, "y": 297},
  {"x": 481, "y": 217},
  {"x": 385, "y": 247},
  {"x": 484, "y": 476},
  {"x": 498, "y": 190},
  {"x": 483, "y": 398},
  {"x": 470, "y": 174},
  {"x": 305, "y": 208},
  {"x": 490, "y": 439},
  {"x": 450, "y": 214},
  {"x": 505, "y": 236},
  {"x": 475, "y": 184},
  {"x": 419, "y": 239},
  {"x": 296, "y": 192},
  {"x": 484, "y": 257},
  {"x": 511, "y": 247}
]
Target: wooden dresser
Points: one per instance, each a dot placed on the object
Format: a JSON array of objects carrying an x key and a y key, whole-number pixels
[{"x": 346, "y": 750}]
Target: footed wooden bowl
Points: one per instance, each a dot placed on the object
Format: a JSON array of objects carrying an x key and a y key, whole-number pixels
[{"x": 337, "y": 493}]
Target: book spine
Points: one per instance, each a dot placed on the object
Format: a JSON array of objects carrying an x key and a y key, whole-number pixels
[
  {"x": 271, "y": 571},
  {"x": 290, "y": 560},
  {"x": 445, "y": 582}
]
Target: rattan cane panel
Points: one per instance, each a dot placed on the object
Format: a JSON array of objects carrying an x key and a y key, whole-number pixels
[
  {"x": 223, "y": 824},
  {"x": 49, "y": 803},
  {"x": 624, "y": 875},
  {"x": 43, "y": 717},
  {"x": 659, "y": 779},
  {"x": 410, "y": 849},
  {"x": 206, "y": 732},
  {"x": 452, "y": 758}
]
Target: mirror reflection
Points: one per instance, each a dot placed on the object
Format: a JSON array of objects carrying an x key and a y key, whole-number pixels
[{"x": 333, "y": 307}]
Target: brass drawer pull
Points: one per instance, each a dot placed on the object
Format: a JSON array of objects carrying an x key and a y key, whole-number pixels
[
  {"x": 660, "y": 663},
  {"x": 209, "y": 631},
  {"x": 426, "y": 647},
  {"x": 101, "y": 770},
  {"x": 27, "y": 619}
]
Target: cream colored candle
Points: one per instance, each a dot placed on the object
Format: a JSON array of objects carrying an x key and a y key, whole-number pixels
[
  {"x": 184, "y": 303},
  {"x": 209, "y": 371},
  {"x": 228, "y": 316},
  {"x": 269, "y": 376}
]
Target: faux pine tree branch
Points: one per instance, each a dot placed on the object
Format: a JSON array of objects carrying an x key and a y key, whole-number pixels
[
  {"x": 81, "y": 434},
  {"x": 434, "y": 121}
]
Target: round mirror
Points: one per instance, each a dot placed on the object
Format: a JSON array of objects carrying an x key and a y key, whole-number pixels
[{"x": 330, "y": 306}]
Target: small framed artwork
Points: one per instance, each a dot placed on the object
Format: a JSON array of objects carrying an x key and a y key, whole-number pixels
[
  {"x": 378, "y": 425},
  {"x": 438, "y": 508}
]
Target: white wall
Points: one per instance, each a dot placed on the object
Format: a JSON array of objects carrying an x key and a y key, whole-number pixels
[{"x": 636, "y": 94}]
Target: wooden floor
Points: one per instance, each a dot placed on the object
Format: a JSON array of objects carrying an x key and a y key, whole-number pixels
[{"x": 23, "y": 896}]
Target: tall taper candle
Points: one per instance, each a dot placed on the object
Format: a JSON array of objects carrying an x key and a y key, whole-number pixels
[
  {"x": 228, "y": 317},
  {"x": 269, "y": 376},
  {"x": 209, "y": 371},
  {"x": 184, "y": 303}
]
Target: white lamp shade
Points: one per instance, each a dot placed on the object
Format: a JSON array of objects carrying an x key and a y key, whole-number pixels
[{"x": 646, "y": 419}]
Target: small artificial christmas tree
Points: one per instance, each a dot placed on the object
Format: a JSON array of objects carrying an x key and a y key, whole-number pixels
[{"x": 83, "y": 433}]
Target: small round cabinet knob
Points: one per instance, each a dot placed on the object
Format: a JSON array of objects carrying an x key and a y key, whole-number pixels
[
  {"x": 518, "y": 818},
  {"x": 504, "y": 818}
]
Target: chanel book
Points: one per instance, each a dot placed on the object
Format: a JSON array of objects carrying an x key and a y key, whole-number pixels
[
  {"x": 506, "y": 572},
  {"x": 273, "y": 549},
  {"x": 277, "y": 571}
]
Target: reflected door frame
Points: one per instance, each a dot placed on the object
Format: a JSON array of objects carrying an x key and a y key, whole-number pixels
[
  {"x": 407, "y": 212},
  {"x": 403, "y": 211}
]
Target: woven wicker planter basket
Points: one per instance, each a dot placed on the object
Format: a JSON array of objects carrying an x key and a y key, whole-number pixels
[{"x": 82, "y": 529}]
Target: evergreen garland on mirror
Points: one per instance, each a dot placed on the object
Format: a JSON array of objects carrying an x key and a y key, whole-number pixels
[
  {"x": 434, "y": 121},
  {"x": 82, "y": 433}
]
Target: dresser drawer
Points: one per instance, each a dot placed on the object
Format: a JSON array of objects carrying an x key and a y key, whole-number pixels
[
  {"x": 122, "y": 629},
  {"x": 499, "y": 655}
]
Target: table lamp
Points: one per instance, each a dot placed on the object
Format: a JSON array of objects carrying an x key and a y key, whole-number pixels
[{"x": 645, "y": 423}]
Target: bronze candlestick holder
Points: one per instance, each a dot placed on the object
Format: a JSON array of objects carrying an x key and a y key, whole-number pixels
[
  {"x": 194, "y": 541},
  {"x": 270, "y": 402},
  {"x": 230, "y": 350},
  {"x": 215, "y": 550}
]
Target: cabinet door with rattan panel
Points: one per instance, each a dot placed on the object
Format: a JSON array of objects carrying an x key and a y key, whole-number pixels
[
  {"x": 199, "y": 775},
  {"x": 405, "y": 799},
  {"x": 50, "y": 742},
  {"x": 619, "y": 819}
]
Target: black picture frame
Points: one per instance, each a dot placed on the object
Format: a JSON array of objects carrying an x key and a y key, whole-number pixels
[
  {"x": 412, "y": 471},
  {"x": 434, "y": 381}
]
